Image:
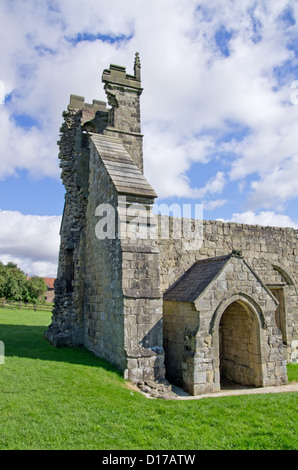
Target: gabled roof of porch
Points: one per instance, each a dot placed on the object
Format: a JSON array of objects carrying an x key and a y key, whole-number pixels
[
  {"x": 201, "y": 274},
  {"x": 195, "y": 280}
]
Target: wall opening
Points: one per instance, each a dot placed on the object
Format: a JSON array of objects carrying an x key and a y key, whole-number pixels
[
  {"x": 239, "y": 346},
  {"x": 69, "y": 270}
]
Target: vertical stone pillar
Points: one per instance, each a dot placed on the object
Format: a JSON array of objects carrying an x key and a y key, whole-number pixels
[{"x": 123, "y": 93}]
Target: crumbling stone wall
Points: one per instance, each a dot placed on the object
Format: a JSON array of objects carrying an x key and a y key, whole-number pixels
[
  {"x": 271, "y": 251},
  {"x": 68, "y": 314}
]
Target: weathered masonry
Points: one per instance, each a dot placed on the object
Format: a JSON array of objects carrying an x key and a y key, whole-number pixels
[
  {"x": 220, "y": 329},
  {"x": 222, "y": 308},
  {"x": 108, "y": 294}
]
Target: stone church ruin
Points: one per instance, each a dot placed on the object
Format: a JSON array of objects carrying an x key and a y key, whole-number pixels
[{"x": 217, "y": 303}]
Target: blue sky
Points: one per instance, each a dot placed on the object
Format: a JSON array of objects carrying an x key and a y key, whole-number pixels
[{"x": 219, "y": 107}]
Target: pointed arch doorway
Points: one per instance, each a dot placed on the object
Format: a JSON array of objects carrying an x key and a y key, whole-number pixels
[{"x": 240, "y": 358}]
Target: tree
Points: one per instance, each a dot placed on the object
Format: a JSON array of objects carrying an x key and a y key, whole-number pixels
[
  {"x": 15, "y": 286},
  {"x": 15, "y": 283},
  {"x": 36, "y": 287},
  {"x": 3, "y": 275},
  {"x": 12, "y": 265}
]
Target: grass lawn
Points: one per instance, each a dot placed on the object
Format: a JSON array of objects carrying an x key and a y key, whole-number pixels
[{"x": 62, "y": 398}]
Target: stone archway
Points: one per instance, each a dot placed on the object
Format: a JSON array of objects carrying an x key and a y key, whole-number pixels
[{"x": 239, "y": 346}]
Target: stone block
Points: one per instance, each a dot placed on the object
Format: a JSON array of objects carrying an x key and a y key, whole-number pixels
[{"x": 200, "y": 377}]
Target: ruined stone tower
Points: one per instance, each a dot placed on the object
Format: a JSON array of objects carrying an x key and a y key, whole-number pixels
[
  {"x": 107, "y": 290},
  {"x": 222, "y": 308}
]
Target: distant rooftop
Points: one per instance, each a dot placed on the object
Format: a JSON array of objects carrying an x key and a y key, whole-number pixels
[{"x": 50, "y": 282}]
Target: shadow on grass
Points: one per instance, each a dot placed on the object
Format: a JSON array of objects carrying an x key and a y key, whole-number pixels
[{"x": 29, "y": 342}]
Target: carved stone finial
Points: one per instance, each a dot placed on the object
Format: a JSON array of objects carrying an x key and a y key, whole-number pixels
[{"x": 137, "y": 67}]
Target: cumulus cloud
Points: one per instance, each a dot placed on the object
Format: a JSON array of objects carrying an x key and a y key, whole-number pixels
[
  {"x": 276, "y": 187},
  {"x": 31, "y": 241},
  {"x": 2, "y": 92},
  {"x": 32, "y": 149},
  {"x": 204, "y": 68},
  {"x": 218, "y": 90},
  {"x": 265, "y": 218},
  {"x": 173, "y": 156},
  {"x": 211, "y": 205}
]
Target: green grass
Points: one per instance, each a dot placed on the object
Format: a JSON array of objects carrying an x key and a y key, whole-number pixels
[
  {"x": 63, "y": 398},
  {"x": 292, "y": 372}
]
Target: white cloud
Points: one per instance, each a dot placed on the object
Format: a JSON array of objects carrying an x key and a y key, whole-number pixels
[
  {"x": 189, "y": 86},
  {"x": 265, "y": 218},
  {"x": 276, "y": 187},
  {"x": 2, "y": 92},
  {"x": 215, "y": 204},
  {"x": 214, "y": 185},
  {"x": 194, "y": 98},
  {"x": 169, "y": 159},
  {"x": 31, "y": 241},
  {"x": 32, "y": 149}
]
